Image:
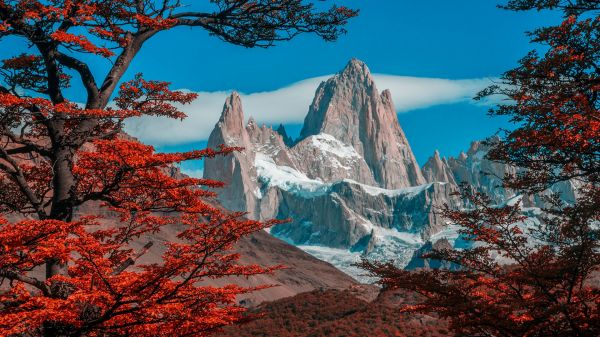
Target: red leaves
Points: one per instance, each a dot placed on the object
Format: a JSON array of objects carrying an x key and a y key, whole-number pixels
[
  {"x": 556, "y": 107},
  {"x": 102, "y": 292},
  {"x": 29, "y": 73},
  {"x": 129, "y": 175},
  {"x": 136, "y": 98},
  {"x": 161, "y": 297},
  {"x": 65, "y": 109},
  {"x": 152, "y": 98},
  {"x": 158, "y": 23},
  {"x": 23, "y": 61},
  {"x": 80, "y": 42},
  {"x": 105, "y": 294},
  {"x": 27, "y": 244},
  {"x": 87, "y": 14}
]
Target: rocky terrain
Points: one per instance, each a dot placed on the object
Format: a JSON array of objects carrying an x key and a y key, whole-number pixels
[{"x": 350, "y": 183}]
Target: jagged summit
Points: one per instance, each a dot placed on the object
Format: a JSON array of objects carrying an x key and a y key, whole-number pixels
[
  {"x": 353, "y": 153},
  {"x": 232, "y": 170},
  {"x": 358, "y": 72},
  {"x": 436, "y": 169},
  {"x": 349, "y": 107},
  {"x": 356, "y": 63},
  {"x": 348, "y": 115},
  {"x": 232, "y": 116},
  {"x": 340, "y": 90},
  {"x": 251, "y": 122},
  {"x": 286, "y": 138}
]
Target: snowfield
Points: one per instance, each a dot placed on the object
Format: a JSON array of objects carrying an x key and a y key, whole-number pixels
[{"x": 391, "y": 245}]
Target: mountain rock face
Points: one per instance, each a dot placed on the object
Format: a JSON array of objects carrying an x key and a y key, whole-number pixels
[
  {"x": 482, "y": 174},
  {"x": 485, "y": 176},
  {"x": 371, "y": 129},
  {"x": 418, "y": 260},
  {"x": 234, "y": 170}
]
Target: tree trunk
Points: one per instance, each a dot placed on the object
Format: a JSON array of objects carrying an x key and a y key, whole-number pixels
[
  {"x": 63, "y": 183},
  {"x": 62, "y": 207}
]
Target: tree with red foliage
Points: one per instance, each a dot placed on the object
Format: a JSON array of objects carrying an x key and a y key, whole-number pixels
[
  {"x": 58, "y": 156},
  {"x": 524, "y": 277}
]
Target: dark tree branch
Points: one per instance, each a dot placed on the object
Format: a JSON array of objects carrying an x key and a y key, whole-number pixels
[
  {"x": 11, "y": 275},
  {"x": 87, "y": 78}
]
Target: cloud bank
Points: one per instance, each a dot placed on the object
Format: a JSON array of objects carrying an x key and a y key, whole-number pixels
[{"x": 289, "y": 105}]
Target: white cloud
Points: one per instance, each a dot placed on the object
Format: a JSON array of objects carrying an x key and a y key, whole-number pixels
[
  {"x": 290, "y": 105},
  {"x": 410, "y": 93}
]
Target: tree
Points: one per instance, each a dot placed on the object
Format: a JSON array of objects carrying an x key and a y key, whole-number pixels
[
  {"x": 58, "y": 156},
  {"x": 531, "y": 274}
]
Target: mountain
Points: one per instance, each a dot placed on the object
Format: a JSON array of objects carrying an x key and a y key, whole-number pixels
[
  {"x": 234, "y": 170},
  {"x": 350, "y": 183},
  {"x": 473, "y": 169},
  {"x": 485, "y": 176},
  {"x": 438, "y": 169}
]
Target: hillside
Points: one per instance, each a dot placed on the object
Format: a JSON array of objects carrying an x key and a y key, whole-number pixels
[{"x": 335, "y": 313}]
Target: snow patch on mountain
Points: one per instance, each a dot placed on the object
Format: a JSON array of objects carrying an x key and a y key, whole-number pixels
[
  {"x": 407, "y": 191},
  {"x": 287, "y": 178},
  {"x": 329, "y": 144},
  {"x": 389, "y": 245},
  {"x": 450, "y": 232}
]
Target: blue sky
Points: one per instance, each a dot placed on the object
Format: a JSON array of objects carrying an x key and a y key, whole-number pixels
[
  {"x": 436, "y": 38},
  {"x": 466, "y": 39}
]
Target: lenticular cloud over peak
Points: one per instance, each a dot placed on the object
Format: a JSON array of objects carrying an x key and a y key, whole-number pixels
[{"x": 289, "y": 105}]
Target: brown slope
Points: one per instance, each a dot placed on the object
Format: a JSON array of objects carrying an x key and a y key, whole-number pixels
[{"x": 303, "y": 272}]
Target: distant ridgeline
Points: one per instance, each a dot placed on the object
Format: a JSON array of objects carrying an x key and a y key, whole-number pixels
[{"x": 350, "y": 183}]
